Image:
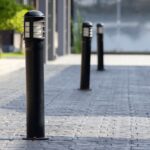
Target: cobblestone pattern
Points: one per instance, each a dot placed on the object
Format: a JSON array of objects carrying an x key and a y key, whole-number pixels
[{"x": 114, "y": 115}]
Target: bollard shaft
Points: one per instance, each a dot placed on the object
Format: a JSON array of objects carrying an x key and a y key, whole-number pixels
[
  {"x": 35, "y": 89},
  {"x": 100, "y": 47},
  {"x": 34, "y": 35},
  {"x": 86, "y": 52},
  {"x": 85, "y": 67}
]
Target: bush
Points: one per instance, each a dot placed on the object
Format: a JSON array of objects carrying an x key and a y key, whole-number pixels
[
  {"x": 77, "y": 37},
  {"x": 12, "y": 16},
  {"x": 15, "y": 22},
  {"x": 8, "y": 9}
]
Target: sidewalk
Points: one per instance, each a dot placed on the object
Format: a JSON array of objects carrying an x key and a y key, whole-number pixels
[
  {"x": 10, "y": 65},
  {"x": 119, "y": 60},
  {"x": 114, "y": 115}
]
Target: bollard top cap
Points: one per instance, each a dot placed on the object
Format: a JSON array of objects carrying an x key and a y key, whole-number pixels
[
  {"x": 87, "y": 24},
  {"x": 34, "y": 14},
  {"x": 99, "y": 25}
]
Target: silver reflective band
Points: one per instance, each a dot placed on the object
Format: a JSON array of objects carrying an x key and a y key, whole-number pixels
[
  {"x": 37, "y": 35},
  {"x": 27, "y": 24},
  {"x": 87, "y": 32},
  {"x": 38, "y": 23},
  {"x": 91, "y": 32},
  {"x": 27, "y": 34},
  {"x": 100, "y": 30},
  {"x": 27, "y": 30},
  {"x": 38, "y": 29}
]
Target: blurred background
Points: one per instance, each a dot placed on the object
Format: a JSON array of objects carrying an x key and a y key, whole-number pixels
[
  {"x": 11, "y": 26},
  {"x": 126, "y": 23}
]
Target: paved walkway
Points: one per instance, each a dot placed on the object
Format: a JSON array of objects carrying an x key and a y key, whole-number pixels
[
  {"x": 119, "y": 60},
  {"x": 114, "y": 115},
  {"x": 11, "y": 65}
]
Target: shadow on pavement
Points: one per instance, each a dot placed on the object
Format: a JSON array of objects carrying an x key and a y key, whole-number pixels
[{"x": 118, "y": 91}]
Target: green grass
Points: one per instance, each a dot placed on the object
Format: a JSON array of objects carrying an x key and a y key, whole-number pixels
[{"x": 12, "y": 55}]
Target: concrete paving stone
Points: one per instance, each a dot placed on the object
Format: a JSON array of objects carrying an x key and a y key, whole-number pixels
[{"x": 114, "y": 115}]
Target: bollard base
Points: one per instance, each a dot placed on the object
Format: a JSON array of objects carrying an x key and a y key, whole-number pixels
[
  {"x": 36, "y": 139},
  {"x": 102, "y": 69},
  {"x": 86, "y": 90}
]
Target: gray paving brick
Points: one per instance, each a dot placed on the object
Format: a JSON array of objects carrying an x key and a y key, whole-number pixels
[{"x": 114, "y": 115}]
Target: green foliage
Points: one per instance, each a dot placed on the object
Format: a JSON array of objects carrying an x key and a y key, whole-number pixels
[
  {"x": 12, "y": 55},
  {"x": 8, "y": 8},
  {"x": 77, "y": 37},
  {"x": 28, "y": 7},
  {"x": 17, "y": 20},
  {"x": 12, "y": 15},
  {"x": 14, "y": 23}
]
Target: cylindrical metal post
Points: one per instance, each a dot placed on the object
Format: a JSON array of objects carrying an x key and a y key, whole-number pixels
[
  {"x": 86, "y": 51},
  {"x": 34, "y": 42},
  {"x": 100, "y": 47}
]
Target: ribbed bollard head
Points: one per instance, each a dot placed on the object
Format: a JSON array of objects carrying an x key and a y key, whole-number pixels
[
  {"x": 87, "y": 29},
  {"x": 100, "y": 28},
  {"x": 34, "y": 25}
]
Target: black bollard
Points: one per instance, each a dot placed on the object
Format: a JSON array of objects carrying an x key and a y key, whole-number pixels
[
  {"x": 100, "y": 47},
  {"x": 34, "y": 42},
  {"x": 86, "y": 52}
]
